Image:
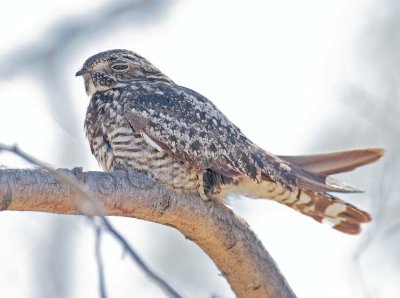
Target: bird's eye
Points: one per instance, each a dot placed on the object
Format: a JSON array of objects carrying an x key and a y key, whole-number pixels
[{"x": 119, "y": 67}]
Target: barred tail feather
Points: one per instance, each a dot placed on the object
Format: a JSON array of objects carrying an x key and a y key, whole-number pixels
[
  {"x": 322, "y": 207},
  {"x": 325, "y": 208}
]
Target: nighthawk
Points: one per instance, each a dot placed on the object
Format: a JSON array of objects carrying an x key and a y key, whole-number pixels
[{"x": 139, "y": 119}]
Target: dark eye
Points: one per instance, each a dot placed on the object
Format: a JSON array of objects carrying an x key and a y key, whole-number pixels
[{"x": 119, "y": 66}]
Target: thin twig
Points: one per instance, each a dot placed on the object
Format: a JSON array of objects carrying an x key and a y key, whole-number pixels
[
  {"x": 136, "y": 257},
  {"x": 97, "y": 210},
  {"x": 99, "y": 261}
]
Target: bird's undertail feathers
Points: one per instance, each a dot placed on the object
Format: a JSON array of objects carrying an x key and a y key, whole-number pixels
[
  {"x": 322, "y": 207},
  {"x": 327, "y": 209}
]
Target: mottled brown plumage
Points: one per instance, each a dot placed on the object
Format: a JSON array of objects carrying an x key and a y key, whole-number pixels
[{"x": 140, "y": 119}]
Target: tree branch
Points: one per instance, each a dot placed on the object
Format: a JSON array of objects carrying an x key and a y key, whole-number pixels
[
  {"x": 89, "y": 206},
  {"x": 225, "y": 237}
]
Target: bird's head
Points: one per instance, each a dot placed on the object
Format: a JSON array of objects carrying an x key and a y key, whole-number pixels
[{"x": 117, "y": 68}]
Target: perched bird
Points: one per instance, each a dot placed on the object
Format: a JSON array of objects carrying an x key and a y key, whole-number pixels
[{"x": 139, "y": 119}]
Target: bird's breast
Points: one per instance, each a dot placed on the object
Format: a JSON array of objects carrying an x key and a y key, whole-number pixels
[{"x": 117, "y": 146}]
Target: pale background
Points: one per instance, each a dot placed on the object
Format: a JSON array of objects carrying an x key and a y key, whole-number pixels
[{"x": 297, "y": 76}]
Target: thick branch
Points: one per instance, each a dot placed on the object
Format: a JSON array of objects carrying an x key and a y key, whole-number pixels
[{"x": 225, "y": 237}]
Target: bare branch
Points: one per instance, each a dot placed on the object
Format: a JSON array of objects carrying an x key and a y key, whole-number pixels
[
  {"x": 87, "y": 205},
  {"x": 225, "y": 237}
]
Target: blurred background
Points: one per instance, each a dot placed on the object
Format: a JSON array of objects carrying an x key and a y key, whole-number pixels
[{"x": 297, "y": 76}]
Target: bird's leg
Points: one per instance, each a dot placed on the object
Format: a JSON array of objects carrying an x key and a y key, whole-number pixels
[
  {"x": 203, "y": 196},
  {"x": 200, "y": 188}
]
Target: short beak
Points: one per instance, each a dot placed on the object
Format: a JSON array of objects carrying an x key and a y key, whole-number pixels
[{"x": 82, "y": 71}]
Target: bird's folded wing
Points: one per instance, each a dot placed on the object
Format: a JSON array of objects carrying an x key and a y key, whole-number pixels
[
  {"x": 188, "y": 126},
  {"x": 313, "y": 170},
  {"x": 336, "y": 162}
]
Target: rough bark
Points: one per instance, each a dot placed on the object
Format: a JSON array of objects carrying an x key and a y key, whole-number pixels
[{"x": 225, "y": 237}]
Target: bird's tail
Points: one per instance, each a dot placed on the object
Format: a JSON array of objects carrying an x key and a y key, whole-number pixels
[
  {"x": 322, "y": 207},
  {"x": 328, "y": 209},
  {"x": 310, "y": 197}
]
